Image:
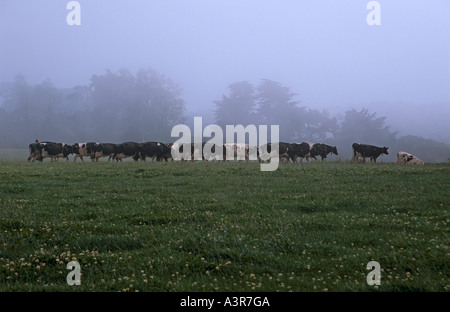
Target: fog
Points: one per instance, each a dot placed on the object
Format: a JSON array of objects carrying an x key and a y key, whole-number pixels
[{"x": 324, "y": 51}]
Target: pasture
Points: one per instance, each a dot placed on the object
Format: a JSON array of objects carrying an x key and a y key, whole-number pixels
[{"x": 204, "y": 226}]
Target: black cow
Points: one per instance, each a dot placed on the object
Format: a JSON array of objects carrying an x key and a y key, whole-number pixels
[
  {"x": 127, "y": 149},
  {"x": 104, "y": 150},
  {"x": 166, "y": 151},
  {"x": 286, "y": 151},
  {"x": 54, "y": 151},
  {"x": 154, "y": 150},
  {"x": 368, "y": 151},
  {"x": 322, "y": 150},
  {"x": 84, "y": 149},
  {"x": 301, "y": 150}
]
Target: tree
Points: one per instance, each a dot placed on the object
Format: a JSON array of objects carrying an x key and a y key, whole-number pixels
[
  {"x": 137, "y": 107},
  {"x": 112, "y": 94},
  {"x": 32, "y": 111},
  {"x": 238, "y": 107},
  {"x": 159, "y": 105},
  {"x": 276, "y": 106},
  {"x": 318, "y": 126}
]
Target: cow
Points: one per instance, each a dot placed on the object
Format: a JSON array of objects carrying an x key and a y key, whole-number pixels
[
  {"x": 240, "y": 151},
  {"x": 178, "y": 148},
  {"x": 285, "y": 151},
  {"x": 368, "y": 151},
  {"x": 154, "y": 150},
  {"x": 196, "y": 151},
  {"x": 265, "y": 152},
  {"x": 409, "y": 159},
  {"x": 127, "y": 149},
  {"x": 322, "y": 150},
  {"x": 54, "y": 151},
  {"x": 165, "y": 151},
  {"x": 34, "y": 149},
  {"x": 84, "y": 149},
  {"x": 211, "y": 151},
  {"x": 104, "y": 150},
  {"x": 301, "y": 150}
]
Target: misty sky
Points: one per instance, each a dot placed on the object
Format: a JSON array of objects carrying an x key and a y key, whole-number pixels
[{"x": 323, "y": 50}]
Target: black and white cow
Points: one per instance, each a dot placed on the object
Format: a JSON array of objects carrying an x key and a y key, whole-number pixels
[
  {"x": 127, "y": 149},
  {"x": 104, "y": 150},
  {"x": 54, "y": 151},
  {"x": 154, "y": 150},
  {"x": 34, "y": 149},
  {"x": 322, "y": 150},
  {"x": 84, "y": 149},
  {"x": 368, "y": 151},
  {"x": 405, "y": 158}
]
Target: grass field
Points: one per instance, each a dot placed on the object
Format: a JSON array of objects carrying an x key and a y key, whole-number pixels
[{"x": 207, "y": 226}]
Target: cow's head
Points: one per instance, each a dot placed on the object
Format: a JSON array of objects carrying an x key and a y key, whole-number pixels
[
  {"x": 334, "y": 150},
  {"x": 385, "y": 150},
  {"x": 68, "y": 149},
  {"x": 75, "y": 148}
]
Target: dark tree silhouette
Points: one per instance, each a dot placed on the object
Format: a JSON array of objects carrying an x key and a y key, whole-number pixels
[
  {"x": 238, "y": 107},
  {"x": 276, "y": 106}
]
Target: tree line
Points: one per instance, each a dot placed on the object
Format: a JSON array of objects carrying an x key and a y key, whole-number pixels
[{"x": 144, "y": 106}]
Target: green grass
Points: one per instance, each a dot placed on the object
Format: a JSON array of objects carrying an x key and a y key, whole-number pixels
[{"x": 223, "y": 226}]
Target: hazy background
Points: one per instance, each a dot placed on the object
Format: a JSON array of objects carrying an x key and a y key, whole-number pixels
[{"x": 323, "y": 51}]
